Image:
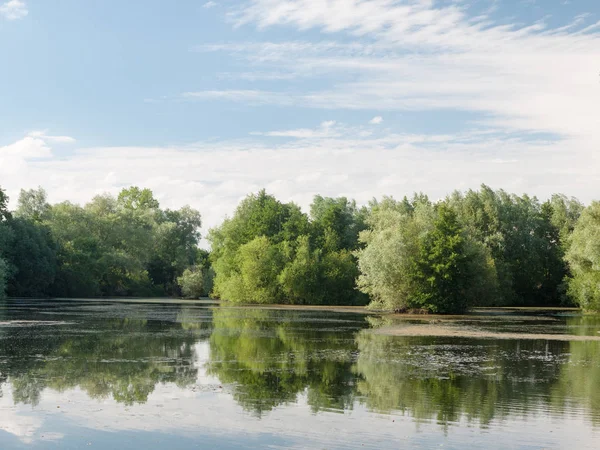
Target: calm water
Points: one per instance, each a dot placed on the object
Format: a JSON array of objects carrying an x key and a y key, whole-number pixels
[{"x": 120, "y": 375}]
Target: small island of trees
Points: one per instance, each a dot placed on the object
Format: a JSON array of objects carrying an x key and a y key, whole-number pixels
[{"x": 478, "y": 248}]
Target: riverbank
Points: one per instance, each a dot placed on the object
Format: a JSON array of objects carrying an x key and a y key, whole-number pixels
[{"x": 474, "y": 312}]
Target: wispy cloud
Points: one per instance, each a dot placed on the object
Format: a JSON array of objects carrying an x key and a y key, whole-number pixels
[
  {"x": 43, "y": 135},
  {"x": 243, "y": 95},
  {"x": 331, "y": 159},
  {"x": 376, "y": 120},
  {"x": 13, "y": 10},
  {"x": 423, "y": 56},
  {"x": 326, "y": 129},
  {"x": 209, "y": 5}
]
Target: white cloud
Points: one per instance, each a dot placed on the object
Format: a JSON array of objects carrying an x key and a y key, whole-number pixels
[
  {"x": 324, "y": 130},
  {"x": 411, "y": 55},
  {"x": 27, "y": 148},
  {"x": 13, "y": 10},
  {"x": 55, "y": 139},
  {"x": 332, "y": 159},
  {"x": 208, "y": 5},
  {"x": 423, "y": 55}
]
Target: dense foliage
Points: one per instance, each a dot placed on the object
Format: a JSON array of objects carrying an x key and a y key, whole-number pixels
[
  {"x": 417, "y": 255},
  {"x": 526, "y": 240},
  {"x": 271, "y": 252},
  {"x": 481, "y": 247},
  {"x": 584, "y": 258},
  {"x": 109, "y": 247}
]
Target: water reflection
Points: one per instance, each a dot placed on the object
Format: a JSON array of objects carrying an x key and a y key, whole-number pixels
[
  {"x": 272, "y": 356},
  {"x": 578, "y": 386},
  {"x": 449, "y": 380},
  {"x": 269, "y": 359},
  {"x": 121, "y": 358}
]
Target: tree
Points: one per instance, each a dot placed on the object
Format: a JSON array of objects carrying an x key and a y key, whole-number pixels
[
  {"x": 254, "y": 278},
  {"x": 302, "y": 261},
  {"x": 336, "y": 222},
  {"x": 449, "y": 268},
  {"x": 260, "y": 224},
  {"x": 33, "y": 205},
  {"x": 584, "y": 259},
  {"x": 191, "y": 282},
  {"x": 137, "y": 199},
  {"x": 564, "y": 213},
  {"x": 78, "y": 254},
  {"x": 175, "y": 246},
  {"x": 300, "y": 280},
  {"x": 31, "y": 255},
  {"x": 420, "y": 257},
  {"x": 525, "y": 239},
  {"x": 3, "y": 277},
  {"x": 391, "y": 248},
  {"x": 4, "y": 212}
]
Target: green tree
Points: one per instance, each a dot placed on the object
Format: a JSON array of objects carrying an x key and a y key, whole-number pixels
[
  {"x": 122, "y": 246},
  {"x": 584, "y": 259},
  {"x": 300, "y": 280},
  {"x": 391, "y": 248},
  {"x": 4, "y": 212},
  {"x": 336, "y": 222},
  {"x": 175, "y": 247},
  {"x": 247, "y": 249},
  {"x": 191, "y": 282},
  {"x": 135, "y": 198},
  {"x": 254, "y": 278},
  {"x": 78, "y": 254},
  {"x": 31, "y": 254},
  {"x": 526, "y": 240},
  {"x": 564, "y": 213},
  {"x": 449, "y": 269},
  {"x": 33, "y": 205},
  {"x": 418, "y": 256},
  {"x": 3, "y": 277}
]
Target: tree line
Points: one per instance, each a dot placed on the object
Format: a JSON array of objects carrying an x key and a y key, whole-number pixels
[
  {"x": 112, "y": 246},
  {"x": 478, "y": 248}
]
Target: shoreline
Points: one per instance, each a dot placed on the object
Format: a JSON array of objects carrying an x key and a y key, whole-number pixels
[{"x": 475, "y": 312}]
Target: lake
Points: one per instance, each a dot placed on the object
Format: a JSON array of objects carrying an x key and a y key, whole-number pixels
[{"x": 136, "y": 375}]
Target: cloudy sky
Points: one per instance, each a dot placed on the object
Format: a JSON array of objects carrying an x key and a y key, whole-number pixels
[{"x": 207, "y": 101}]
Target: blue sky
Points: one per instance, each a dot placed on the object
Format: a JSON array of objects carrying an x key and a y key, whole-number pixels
[{"x": 204, "y": 102}]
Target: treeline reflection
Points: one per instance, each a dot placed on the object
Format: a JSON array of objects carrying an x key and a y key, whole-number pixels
[{"x": 269, "y": 358}]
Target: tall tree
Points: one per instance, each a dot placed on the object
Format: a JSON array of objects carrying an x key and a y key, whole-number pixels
[
  {"x": 31, "y": 253},
  {"x": 4, "y": 212},
  {"x": 259, "y": 222},
  {"x": 135, "y": 198},
  {"x": 33, "y": 205},
  {"x": 449, "y": 269},
  {"x": 524, "y": 237},
  {"x": 337, "y": 222},
  {"x": 418, "y": 256},
  {"x": 584, "y": 259},
  {"x": 3, "y": 277}
]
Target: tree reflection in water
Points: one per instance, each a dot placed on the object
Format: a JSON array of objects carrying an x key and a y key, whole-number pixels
[{"x": 269, "y": 358}]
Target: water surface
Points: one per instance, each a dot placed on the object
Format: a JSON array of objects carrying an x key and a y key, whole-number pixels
[{"x": 114, "y": 374}]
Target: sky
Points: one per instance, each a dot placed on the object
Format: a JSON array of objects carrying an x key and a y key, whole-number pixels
[{"x": 205, "y": 102}]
